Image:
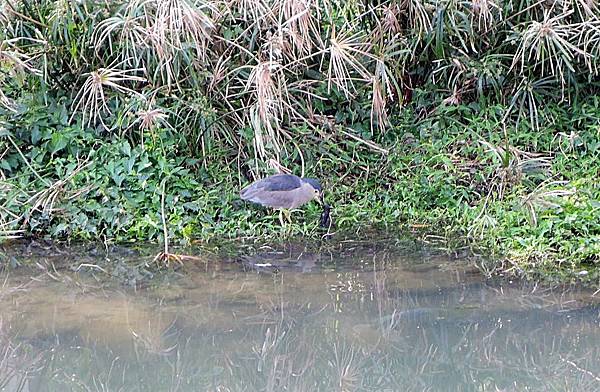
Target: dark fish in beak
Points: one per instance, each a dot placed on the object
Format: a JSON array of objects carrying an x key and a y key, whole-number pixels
[{"x": 325, "y": 220}]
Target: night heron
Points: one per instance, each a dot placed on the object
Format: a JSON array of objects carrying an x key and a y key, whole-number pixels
[{"x": 283, "y": 192}]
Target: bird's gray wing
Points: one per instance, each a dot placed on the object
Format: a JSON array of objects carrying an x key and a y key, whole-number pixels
[
  {"x": 278, "y": 182},
  {"x": 281, "y": 182},
  {"x": 266, "y": 186}
]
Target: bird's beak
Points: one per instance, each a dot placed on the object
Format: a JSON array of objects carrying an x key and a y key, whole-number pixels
[{"x": 321, "y": 198}]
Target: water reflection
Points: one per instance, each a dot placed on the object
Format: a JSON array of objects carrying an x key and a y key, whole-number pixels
[{"x": 356, "y": 316}]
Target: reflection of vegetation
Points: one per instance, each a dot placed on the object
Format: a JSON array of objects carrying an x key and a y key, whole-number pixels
[
  {"x": 355, "y": 327},
  {"x": 17, "y": 364}
]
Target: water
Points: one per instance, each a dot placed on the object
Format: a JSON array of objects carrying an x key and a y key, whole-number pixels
[{"x": 353, "y": 316}]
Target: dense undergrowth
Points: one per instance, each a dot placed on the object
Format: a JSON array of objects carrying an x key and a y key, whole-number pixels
[{"x": 476, "y": 122}]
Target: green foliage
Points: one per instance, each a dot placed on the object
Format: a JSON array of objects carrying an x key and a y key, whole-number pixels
[
  {"x": 210, "y": 68},
  {"x": 445, "y": 174}
]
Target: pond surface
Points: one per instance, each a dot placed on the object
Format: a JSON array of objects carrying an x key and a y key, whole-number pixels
[{"x": 350, "y": 316}]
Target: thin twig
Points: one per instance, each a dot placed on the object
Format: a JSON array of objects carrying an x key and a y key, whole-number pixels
[
  {"x": 367, "y": 142},
  {"x": 582, "y": 370},
  {"x": 164, "y": 221},
  {"x": 26, "y": 161}
]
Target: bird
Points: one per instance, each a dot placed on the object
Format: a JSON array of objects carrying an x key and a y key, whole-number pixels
[{"x": 283, "y": 192}]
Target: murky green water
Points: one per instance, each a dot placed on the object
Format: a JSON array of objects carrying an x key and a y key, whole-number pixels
[{"x": 353, "y": 317}]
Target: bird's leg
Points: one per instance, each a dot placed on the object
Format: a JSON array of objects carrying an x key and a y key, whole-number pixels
[
  {"x": 285, "y": 229},
  {"x": 288, "y": 215},
  {"x": 281, "y": 218}
]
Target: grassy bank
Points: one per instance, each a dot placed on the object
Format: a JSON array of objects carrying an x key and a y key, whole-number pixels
[
  {"x": 531, "y": 202},
  {"x": 475, "y": 124}
]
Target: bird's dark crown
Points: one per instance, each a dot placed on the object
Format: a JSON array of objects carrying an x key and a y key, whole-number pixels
[{"x": 314, "y": 183}]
